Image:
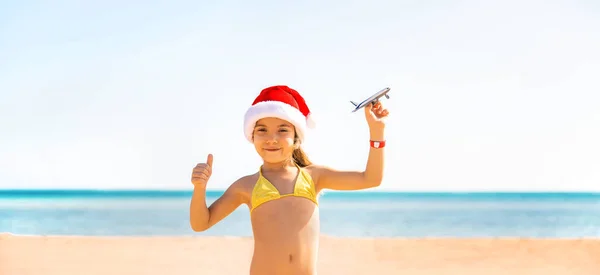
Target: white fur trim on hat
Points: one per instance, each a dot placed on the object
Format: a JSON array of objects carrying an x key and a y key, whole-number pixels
[{"x": 274, "y": 109}]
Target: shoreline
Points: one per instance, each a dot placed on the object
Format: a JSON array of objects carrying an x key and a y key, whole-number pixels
[
  {"x": 322, "y": 236},
  {"x": 212, "y": 255}
]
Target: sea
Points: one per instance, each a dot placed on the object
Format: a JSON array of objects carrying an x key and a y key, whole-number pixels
[{"x": 343, "y": 214}]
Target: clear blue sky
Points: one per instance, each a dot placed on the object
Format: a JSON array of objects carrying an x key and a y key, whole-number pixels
[{"x": 486, "y": 95}]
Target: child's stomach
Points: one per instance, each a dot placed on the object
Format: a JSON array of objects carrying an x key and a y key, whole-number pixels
[{"x": 286, "y": 237}]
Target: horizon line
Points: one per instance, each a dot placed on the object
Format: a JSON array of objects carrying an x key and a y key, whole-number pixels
[{"x": 440, "y": 191}]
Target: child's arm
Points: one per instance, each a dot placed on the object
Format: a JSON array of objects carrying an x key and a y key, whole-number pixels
[
  {"x": 328, "y": 178},
  {"x": 203, "y": 217}
]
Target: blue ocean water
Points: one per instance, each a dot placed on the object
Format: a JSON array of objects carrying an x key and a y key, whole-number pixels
[{"x": 344, "y": 214}]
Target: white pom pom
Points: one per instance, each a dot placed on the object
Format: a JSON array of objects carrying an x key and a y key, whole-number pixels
[{"x": 310, "y": 122}]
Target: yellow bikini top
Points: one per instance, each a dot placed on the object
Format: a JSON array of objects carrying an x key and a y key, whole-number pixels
[{"x": 265, "y": 191}]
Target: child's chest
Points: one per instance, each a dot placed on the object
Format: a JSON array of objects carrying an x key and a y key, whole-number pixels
[{"x": 283, "y": 182}]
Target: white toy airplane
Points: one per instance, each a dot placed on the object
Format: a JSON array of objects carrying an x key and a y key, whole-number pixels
[{"x": 373, "y": 99}]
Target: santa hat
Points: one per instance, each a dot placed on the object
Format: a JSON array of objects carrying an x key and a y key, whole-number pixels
[{"x": 281, "y": 102}]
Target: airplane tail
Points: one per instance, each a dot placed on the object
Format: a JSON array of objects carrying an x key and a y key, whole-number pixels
[{"x": 354, "y": 103}]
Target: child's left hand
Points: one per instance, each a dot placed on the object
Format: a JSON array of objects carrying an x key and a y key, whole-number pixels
[{"x": 375, "y": 116}]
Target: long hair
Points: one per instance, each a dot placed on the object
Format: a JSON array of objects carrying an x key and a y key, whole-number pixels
[{"x": 299, "y": 156}]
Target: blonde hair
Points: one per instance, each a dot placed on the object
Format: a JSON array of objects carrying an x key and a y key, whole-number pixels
[{"x": 299, "y": 156}]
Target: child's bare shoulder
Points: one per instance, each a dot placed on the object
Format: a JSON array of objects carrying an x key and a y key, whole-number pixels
[
  {"x": 245, "y": 183},
  {"x": 314, "y": 170}
]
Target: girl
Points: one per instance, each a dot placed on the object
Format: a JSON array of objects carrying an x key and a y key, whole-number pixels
[{"x": 282, "y": 194}]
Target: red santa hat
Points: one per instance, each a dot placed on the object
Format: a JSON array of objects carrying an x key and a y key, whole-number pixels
[{"x": 281, "y": 102}]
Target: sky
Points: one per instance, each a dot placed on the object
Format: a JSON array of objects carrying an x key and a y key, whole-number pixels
[{"x": 485, "y": 95}]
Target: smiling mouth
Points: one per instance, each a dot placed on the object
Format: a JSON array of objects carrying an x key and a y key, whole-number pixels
[{"x": 271, "y": 150}]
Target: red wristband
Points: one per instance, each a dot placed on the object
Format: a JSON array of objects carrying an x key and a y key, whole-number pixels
[{"x": 377, "y": 144}]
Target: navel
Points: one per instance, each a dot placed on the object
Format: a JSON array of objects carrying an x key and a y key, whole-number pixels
[{"x": 291, "y": 258}]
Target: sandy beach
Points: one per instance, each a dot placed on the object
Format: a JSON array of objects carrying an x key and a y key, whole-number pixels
[{"x": 26, "y": 255}]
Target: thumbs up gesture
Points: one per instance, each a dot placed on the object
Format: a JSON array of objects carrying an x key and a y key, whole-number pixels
[{"x": 202, "y": 172}]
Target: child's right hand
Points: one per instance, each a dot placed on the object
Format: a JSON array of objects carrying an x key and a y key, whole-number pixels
[{"x": 202, "y": 172}]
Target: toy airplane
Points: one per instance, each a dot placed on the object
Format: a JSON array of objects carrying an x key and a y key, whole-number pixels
[{"x": 373, "y": 99}]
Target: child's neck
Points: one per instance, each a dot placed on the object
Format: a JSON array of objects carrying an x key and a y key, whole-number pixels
[{"x": 278, "y": 166}]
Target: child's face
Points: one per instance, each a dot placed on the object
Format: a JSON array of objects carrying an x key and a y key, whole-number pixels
[{"x": 274, "y": 139}]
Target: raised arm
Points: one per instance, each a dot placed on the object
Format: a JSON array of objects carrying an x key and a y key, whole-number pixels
[
  {"x": 203, "y": 217},
  {"x": 328, "y": 178}
]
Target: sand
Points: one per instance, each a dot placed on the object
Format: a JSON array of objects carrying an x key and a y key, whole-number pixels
[{"x": 49, "y": 255}]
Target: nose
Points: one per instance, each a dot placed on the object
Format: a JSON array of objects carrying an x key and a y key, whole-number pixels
[{"x": 271, "y": 139}]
